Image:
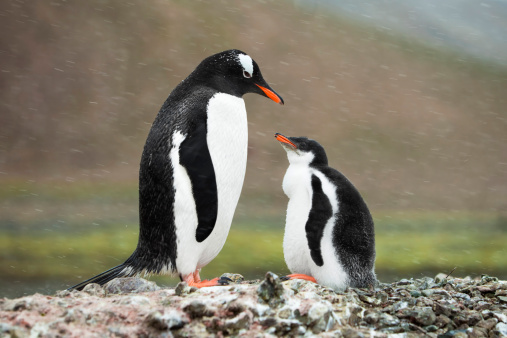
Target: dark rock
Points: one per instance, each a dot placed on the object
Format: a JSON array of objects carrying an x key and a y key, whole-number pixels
[
  {"x": 351, "y": 333},
  {"x": 442, "y": 321},
  {"x": 242, "y": 321},
  {"x": 478, "y": 332},
  {"x": 487, "y": 324},
  {"x": 431, "y": 328},
  {"x": 21, "y": 304},
  {"x": 234, "y": 277},
  {"x": 271, "y": 290},
  {"x": 130, "y": 285},
  {"x": 197, "y": 309},
  {"x": 425, "y": 316},
  {"x": 446, "y": 308},
  {"x": 169, "y": 320},
  {"x": 182, "y": 289},
  {"x": 287, "y": 328},
  {"x": 454, "y": 334}
]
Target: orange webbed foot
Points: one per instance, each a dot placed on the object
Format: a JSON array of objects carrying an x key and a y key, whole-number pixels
[
  {"x": 299, "y": 276},
  {"x": 195, "y": 280}
]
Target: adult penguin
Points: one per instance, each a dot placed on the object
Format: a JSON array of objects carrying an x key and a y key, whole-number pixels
[
  {"x": 192, "y": 170},
  {"x": 329, "y": 233}
]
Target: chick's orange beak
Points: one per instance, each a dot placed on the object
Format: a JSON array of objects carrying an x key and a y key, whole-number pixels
[{"x": 283, "y": 139}]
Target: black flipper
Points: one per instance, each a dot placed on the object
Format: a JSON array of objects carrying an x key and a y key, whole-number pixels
[
  {"x": 195, "y": 157},
  {"x": 121, "y": 270},
  {"x": 320, "y": 213}
]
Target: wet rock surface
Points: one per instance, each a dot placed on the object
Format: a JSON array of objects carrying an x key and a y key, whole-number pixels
[{"x": 440, "y": 307}]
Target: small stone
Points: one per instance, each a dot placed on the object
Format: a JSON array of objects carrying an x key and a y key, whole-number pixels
[
  {"x": 487, "y": 324},
  {"x": 455, "y": 334},
  {"x": 400, "y": 305},
  {"x": 21, "y": 304},
  {"x": 351, "y": 333},
  {"x": 427, "y": 292},
  {"x": 481, "y": 305},
  {"x": 446, "y": 308},
  {"x": 169, "y": 320},
  {"x": 382, "y": 296},
  {"x": 500, "y": 330},
  {"x": 372, "y": 317},
  {"x": 370, "y": 300},
  {"x": 404, "y": 282},
  {"x": 488, "y": 288},
  {"x": 500, "y": 316},
  {"x": 425, "y": 316},
  {"x": 63, "y": 293},
  {"x": 242, "y": 321},
  {"x": 478, "y": 332},
  {"x": 431, "y": 328},
  {"x": 271, "y": 290},
  {"x": 197, "y": 309},
  {"x": 503, "y": 299},
  {"x": 441, "y": 277},
  {"x": 473, "y": 318},
  {"x": 183, "y": 289},
  {"x": 235, "y": 277},
  {"x": 386, "y": 320},
  {"x": 285, "y": 313},
  {"x": 287, "y": 327},
  {"x": 94, "y": 289},
  {"x": 415, "y": 293},
  {"x": 130, "y": 285},
  {"x": 319, "y": 317}
]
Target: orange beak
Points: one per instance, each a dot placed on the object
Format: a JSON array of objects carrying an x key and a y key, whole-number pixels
[
  {"x": 271, "y": 94},
  {"x": 283, "y": 139}
]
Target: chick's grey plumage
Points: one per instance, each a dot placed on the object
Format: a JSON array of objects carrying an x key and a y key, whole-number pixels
[{"x": 338, "y": 235}]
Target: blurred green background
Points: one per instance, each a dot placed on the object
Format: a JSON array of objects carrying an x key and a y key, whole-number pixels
[{"x": 419, "y": 127}]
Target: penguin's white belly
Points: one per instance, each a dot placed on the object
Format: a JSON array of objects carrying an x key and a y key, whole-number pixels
[
  {"x": 228, "y": 145},
  {"x": 227, "y": 139},
  {"x": 297, "y": 186}
]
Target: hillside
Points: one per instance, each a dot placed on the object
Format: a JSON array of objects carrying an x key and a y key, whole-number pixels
[{"x": 411, "y": 126}]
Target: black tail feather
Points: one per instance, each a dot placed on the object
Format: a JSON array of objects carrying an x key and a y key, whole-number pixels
[{"x": 121, "y": 270}]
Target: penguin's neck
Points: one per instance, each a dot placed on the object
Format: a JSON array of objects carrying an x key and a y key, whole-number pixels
[
  {"x": 297, "y": 180},
  {"x": 299, "y": 174}
]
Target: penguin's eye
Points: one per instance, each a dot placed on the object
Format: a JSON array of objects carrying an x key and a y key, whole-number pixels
[{"x": 246, "y": 74}]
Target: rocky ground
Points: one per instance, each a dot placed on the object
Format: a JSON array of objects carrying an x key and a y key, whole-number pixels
[{"x": 134, "y": 307}]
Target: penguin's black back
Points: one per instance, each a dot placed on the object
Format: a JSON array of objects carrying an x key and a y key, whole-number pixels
[
  {"x": 353, "y": 233},
  {"x": 183, "y": 111}
]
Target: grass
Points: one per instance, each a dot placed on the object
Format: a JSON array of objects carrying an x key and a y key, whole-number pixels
[{"x": 408, "y": 244}]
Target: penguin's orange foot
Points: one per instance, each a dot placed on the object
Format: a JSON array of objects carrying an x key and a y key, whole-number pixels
[
  {"x": 206, "y": 283},
  {"x": 299, "y": 276}
]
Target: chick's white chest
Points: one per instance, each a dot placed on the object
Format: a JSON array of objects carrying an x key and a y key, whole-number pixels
[{"x": 297, "y": 186}]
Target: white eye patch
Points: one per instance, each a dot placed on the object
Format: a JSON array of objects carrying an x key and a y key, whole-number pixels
[{"x": 247, "y": 63}]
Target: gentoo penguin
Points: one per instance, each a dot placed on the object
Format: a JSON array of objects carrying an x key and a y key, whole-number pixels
[
  {"x": 192, "y": 170},
  {"x": 329, "y": 236}
]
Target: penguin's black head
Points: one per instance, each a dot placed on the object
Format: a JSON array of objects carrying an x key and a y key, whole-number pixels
[
  {"x": 303, "y": 150},
  {"x": 234, "y": 72}
]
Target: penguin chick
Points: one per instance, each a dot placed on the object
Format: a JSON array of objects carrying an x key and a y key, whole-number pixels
[
  {"x": 329, "y": 234},
  {"x": 192, "y": 170}
]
